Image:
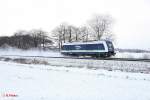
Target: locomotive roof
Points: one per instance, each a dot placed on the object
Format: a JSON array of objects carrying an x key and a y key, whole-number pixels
[{"x": 77, "y": 43}]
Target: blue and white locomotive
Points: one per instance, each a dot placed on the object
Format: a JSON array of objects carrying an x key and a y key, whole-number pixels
[{"x": 101, "y": 48}]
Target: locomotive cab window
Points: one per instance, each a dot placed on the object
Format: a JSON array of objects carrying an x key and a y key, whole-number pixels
[
  {"x": 95, "y": 47},
  {"x": 101, "y": 47}
]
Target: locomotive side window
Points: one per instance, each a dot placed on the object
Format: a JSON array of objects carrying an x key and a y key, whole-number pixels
[
  {"x": 95, "y": 47},
  {"x": 84, "y": 47},
  {"x": 101, "y": 47}
]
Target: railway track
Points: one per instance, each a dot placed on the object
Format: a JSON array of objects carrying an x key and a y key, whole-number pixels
[{"x": 70, "y": 57}]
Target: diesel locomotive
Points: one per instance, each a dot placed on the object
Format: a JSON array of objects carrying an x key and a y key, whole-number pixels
[{"x": 103, "y": 48}]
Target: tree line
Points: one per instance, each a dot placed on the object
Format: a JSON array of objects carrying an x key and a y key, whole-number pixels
[
  {"x": 97, "y": 28},
  {"x": 26, "y": 39}
]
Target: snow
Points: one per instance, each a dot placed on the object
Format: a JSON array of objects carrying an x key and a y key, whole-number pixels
[
  {"x": 32, "y": 52},
  {"x": 110, "y": 65},
  {"x": 45, "y": 82},
  {"x": 132, "y": 55},
  {"x": 72, "y": 79}
]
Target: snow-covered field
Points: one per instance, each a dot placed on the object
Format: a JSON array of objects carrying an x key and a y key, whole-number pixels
[
  {"x": 43, "y": 82},
  {"x": 23, "y": 78},
  {"x": 132, "y": 55},
  {"x": 110, "y": 65}
]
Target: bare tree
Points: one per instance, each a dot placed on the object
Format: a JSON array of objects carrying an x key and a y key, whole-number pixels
[
  {"x": 100, "y": 25},
  {"x": 18, "y": 38},
  {"x": 59, "y": 33},
  {"x": 40, "y": 38},
  {"x": 43, "y": 37},
  {"x": 72, "y": 33},
  {"x": 65, "y": 33},
  {"x": 77, "y": 33},
  {"x": 35, "y": 37},
  {"x": 27, "y": 39},
  {"x": 84, "y": 33},
  {"x": 109, "y": 36},
  {"x": 4, "y": 40}
]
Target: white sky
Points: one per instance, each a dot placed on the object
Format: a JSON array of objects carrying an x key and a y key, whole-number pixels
[{"x": 132, "y": 17}]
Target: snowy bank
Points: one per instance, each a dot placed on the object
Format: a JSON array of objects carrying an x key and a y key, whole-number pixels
[{"x": 40, "y": 82}]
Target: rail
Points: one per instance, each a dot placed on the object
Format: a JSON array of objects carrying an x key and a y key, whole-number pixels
[{"x": 90, "y": 58}]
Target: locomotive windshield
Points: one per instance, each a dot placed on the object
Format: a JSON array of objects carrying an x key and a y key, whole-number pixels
[{"x": 110, "y": 46}]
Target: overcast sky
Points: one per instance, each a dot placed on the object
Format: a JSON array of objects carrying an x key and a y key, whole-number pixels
[{"x": 132, "y": 17}]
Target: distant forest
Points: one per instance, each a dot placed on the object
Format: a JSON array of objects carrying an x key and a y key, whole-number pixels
[
  {"x": 40, "y": 39},
  {"x": 26, "y": 40}
]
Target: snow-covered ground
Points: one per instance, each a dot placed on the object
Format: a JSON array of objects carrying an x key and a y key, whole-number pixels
[
  {"x": 110, "y": 65},
  {"x": 132, "y": 55},
  {"x": 44, "y": 82},
  {"x": 33, "y": 52},
  {"x": 33, "y": 78}
]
